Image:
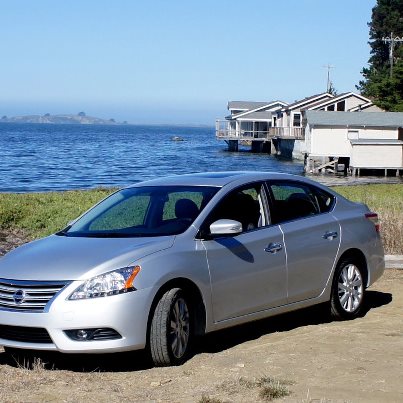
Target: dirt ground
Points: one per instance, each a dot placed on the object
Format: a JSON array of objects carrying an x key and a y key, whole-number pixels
[{"x": 304, "y": 353}]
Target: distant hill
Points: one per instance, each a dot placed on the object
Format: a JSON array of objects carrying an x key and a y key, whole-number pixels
[{"x": 81, "y": 118}]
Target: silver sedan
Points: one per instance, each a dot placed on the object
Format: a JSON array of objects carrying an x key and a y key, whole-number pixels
[{"x": 156, "y": 264}]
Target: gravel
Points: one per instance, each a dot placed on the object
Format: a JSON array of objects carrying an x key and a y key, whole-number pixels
[{"x": 10, "y": 239}]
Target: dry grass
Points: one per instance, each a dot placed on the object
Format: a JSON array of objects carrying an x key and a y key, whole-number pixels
[
  {"x": 271, "y": 388},
  {"x": 387, "y": 201},
  {"x": 207, "y": 399},
  {"x": 266, "y": 387}
]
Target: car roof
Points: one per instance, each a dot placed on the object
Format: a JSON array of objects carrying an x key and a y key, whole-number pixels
[{"x": 218, "y": 179}]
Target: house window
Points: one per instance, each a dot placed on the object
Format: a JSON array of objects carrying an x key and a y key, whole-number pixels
[
  {"x": 341, "y": 106},
  {"x": 330, "y": 108},
  {"x": 296, "y": 122}
]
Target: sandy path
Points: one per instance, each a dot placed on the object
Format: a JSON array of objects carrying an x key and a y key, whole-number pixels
[{"x": 357, "y": 361}]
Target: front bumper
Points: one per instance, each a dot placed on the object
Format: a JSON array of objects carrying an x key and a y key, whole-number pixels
[{"x": 125, "y": 313}]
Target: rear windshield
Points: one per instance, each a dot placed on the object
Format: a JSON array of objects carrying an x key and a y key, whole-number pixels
[{"x": 144, "y": 211}]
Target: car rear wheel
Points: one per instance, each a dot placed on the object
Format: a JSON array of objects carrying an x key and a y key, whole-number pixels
[
  {"x": 348, "y": 290},
  {"x": 171, "y": 330}
]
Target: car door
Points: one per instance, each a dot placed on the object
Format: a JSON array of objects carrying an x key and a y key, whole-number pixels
[
  {"x": 247, "y": 271},
  {"x": 311, "y": 235}
]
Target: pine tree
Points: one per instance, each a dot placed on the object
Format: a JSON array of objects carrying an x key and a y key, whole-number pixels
[{"x": 381, "y": 83}]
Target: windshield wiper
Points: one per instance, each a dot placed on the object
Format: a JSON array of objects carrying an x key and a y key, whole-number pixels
[
  {"x": 106, "y": 234},
  {"x": 63, "y": 232}
]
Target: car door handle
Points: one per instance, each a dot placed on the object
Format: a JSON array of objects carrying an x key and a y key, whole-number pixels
[
  {"x": 273, "y": 247},
  {"x": 330, "y": 235}
]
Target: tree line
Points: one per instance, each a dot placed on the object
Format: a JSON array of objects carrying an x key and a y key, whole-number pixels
[{"x": 383, "y": 78}]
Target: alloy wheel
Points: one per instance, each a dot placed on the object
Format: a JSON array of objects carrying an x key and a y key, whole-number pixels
[
  {"x": 179, "y": 328},
  {"x": 350, "y": 288}
]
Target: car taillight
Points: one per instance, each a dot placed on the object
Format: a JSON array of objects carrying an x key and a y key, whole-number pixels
[{"x": 374, "y": 218}]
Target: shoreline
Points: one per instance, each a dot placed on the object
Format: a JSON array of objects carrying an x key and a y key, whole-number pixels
[
  {"x": 334, "y": 181},
  {"x": 327, "y": 180}
]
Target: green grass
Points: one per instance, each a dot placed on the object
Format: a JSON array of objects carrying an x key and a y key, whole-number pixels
[{"x": 41, "y": 214}]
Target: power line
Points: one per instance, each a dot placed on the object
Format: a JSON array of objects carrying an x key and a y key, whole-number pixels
[
  {"x": 328, "y": 67},
  {"x": 391, "y": 41}
]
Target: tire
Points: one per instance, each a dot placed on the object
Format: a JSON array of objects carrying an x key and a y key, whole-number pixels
[
  {"x": 171, "y": 329},
  {"x": 348, "y": 290}
]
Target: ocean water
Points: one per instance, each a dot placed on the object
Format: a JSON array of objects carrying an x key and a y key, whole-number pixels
[{"x": 44, "y": 157}]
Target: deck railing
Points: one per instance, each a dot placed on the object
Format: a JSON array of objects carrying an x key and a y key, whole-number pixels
[{"x": 225, "y": 132}]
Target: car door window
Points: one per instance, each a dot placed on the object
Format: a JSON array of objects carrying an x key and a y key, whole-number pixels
[
  {"x": 246, "y": 205},
  {"x": 293, "y": 200}
]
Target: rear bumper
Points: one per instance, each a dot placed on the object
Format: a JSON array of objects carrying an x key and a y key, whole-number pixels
[
  {"x": 127, "y": 314},
  {"x": 376, "y": 268}
]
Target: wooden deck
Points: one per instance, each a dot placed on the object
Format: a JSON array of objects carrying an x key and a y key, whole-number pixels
[{"x": 293, "y": 133}]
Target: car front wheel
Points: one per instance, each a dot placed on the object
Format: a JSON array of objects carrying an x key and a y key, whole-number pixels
[
  {"x": 348, "y": 290},
  {"x": 171, "y": 330}
]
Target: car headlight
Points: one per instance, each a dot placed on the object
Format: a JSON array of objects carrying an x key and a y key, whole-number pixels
[{"x": 112, "y": 283}]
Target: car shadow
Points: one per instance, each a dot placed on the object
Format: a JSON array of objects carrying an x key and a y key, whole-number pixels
[
  {"x": 211, "y": 343},
  {"x": 375, "y": 299},
  {"x": 114, "y": 362},
  {"x": 316, "y": 315}
]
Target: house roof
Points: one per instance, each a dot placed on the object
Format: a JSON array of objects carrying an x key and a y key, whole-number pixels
[
  {"x": 371, "y": 119},
  {"x": 265, "y": 115},
  {"x": 312, "y": 99},
  {"x": 337, "y": 98},
  {"x": 362, "y": 107},
  {"x": 259, "y": 108},
  {"x": 246, "y": 105}
]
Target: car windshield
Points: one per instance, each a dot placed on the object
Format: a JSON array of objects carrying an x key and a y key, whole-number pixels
[{"x": 143, "y": 211}]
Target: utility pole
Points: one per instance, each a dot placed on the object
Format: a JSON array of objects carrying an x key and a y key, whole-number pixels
[
  {"x": 328, "y": 67},
  {"x": 391, "y": 41}
]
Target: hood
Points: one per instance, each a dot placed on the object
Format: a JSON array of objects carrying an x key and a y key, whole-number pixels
[{"x": 76, "y": 258}]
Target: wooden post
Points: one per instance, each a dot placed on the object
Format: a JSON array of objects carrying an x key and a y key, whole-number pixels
[{"x": 233, "y": 145}]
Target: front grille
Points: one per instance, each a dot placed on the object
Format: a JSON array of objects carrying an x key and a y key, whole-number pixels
[
  {"x": 31, "y": 296},
  {"x": 25, "y": 334}
]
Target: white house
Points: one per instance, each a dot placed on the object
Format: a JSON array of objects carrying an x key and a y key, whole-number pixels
[
  {"x": 249, "y": 119},
  {"x": 291, "y": 115},
  {"x": 324, "y": 129},
  {"x": 363, "y": 140},
  {"x": 262, "y": 121}
]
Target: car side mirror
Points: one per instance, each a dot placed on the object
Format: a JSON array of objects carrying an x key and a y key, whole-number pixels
[{"x": 225, "y": 227}]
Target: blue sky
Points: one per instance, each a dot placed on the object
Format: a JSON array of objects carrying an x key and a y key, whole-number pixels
[{"x": 174, "y": 61}]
